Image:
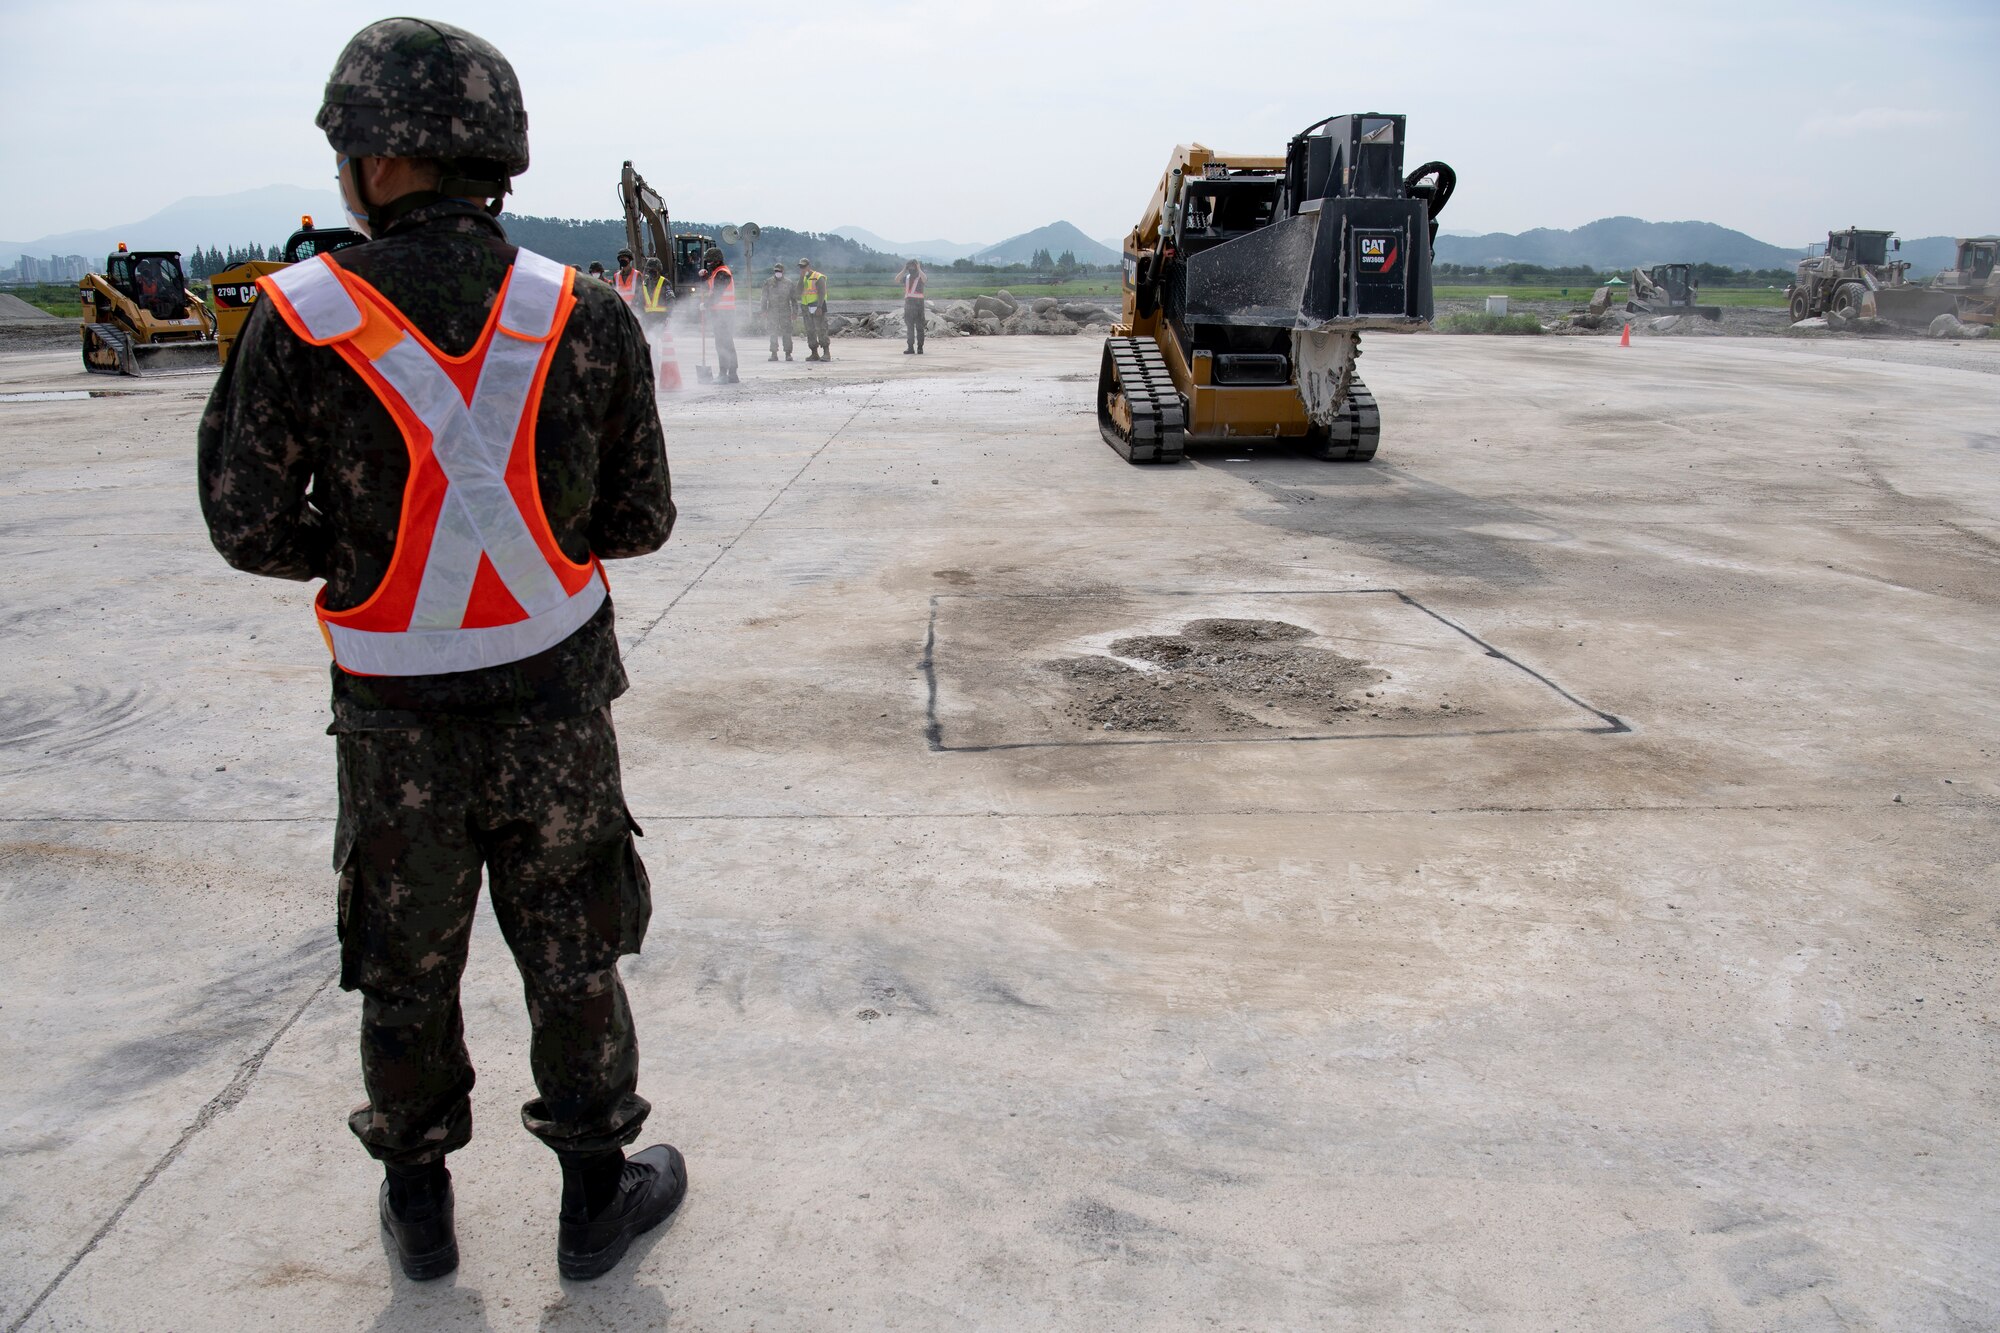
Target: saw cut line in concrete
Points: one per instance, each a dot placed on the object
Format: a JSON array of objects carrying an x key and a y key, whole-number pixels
[
  {"x": 1003, "y": 698},
  {"x": 730, "y": 545},
  {"x": 232, "y": 1093}
]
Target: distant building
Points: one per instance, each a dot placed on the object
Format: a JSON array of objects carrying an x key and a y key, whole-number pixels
[{"x": 55, "y": 268}]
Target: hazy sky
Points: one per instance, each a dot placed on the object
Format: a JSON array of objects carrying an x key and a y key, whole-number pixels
[{"x": 976, "y": 120}]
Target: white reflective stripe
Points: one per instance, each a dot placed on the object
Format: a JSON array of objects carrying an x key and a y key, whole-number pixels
[
  {"x": 532, "y": 296},
  {"x": 450, "y": 567},
  {"x": 314, "y": 292},
  {"x": 435, "y": 652},
  {"x": 472, "y": 447}
]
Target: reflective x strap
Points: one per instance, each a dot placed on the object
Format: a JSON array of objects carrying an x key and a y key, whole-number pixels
[
  {"x": 315, "y": 293},
  {"x": 472, "y": 446}
]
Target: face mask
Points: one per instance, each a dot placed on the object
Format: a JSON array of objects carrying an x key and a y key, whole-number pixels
[{"x": 350, "y": 194}]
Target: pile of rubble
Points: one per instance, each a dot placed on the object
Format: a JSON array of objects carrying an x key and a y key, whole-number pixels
[
  {"x": 1000, "y": 313},
  {"x": 1949, "y": 325}
]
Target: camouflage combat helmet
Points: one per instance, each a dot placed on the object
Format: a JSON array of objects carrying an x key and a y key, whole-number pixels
[
  {"x": 407, "y": 87},
  {"x": 711, "y": 257}
]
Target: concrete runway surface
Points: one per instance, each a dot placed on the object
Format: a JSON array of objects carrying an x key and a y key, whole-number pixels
[{"x": 1624, "y": 962}]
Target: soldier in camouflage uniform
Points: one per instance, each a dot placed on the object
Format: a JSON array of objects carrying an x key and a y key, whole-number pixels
[
  {"x": 511, "y": 767},
  {"x": 780, "y": 298}
]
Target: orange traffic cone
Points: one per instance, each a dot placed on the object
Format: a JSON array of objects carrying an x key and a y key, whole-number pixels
[
  {"x": 670, "y": 368},
  {"x": 1625, "y": 338}
]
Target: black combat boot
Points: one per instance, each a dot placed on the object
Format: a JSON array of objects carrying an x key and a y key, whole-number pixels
[
  {"x": 416, "y": 1212},
  {"x": 608, "y": 1200}
]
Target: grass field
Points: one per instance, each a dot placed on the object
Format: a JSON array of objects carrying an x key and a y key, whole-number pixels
[
  {"x": 1481, "y": 322},
  {"x": 58, "y": 298},
  {"x": 1724, "y": 296}
]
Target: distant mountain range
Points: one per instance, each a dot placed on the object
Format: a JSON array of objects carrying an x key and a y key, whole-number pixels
[
  {"x": 1055, "y": 238},
  {"x": 931, "y": 252},
  {"x": 1618, "y": 243},
  {"x": 266, "y": 216}
]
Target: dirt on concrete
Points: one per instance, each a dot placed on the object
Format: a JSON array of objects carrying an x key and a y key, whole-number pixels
[{"x": 1219, "y": 675}]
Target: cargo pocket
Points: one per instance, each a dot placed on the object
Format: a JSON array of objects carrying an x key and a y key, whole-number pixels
[
  {"x": 635, "y": 890},
  {"x": 348, "y": 923}
]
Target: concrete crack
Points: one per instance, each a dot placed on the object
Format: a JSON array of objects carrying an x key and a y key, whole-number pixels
[
  {"x": 811, "y": 458},
  {"x": 224, "y": 1101}
]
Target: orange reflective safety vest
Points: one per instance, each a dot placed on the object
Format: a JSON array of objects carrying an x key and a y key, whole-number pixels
[
  {"x": 476, "y": 578},
  {"x": 725, "y": 299},
  {"x": 627, "y": 284}
]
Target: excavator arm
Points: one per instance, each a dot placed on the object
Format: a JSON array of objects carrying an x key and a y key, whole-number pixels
[{"x": 646, "y": 220}]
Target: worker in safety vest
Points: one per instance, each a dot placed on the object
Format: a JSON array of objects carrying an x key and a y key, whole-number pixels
[
  {"x": 813, "y": 302},
  {"x": 626, "y": 280},
  {"x": 656, "y": 303},
  {"x": 720, "y": 302},
  {"x": 656, "y": 296},
  {"x": 780, "y": 297},
  {"x": 913, "y": 307},
  {"x": 373, "y": 430}
]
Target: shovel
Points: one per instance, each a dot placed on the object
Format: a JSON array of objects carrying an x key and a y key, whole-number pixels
[{"x": 701, "y": 371}]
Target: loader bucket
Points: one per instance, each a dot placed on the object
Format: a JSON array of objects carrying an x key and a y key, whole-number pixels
[
  {"x": 1913, "y": 306},
  {"x": 184, "y": 358}
]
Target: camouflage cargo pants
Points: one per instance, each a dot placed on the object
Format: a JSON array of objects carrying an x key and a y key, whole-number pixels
[{"x": 542, "y": 810}]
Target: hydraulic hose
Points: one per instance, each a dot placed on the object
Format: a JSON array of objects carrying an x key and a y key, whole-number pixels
[{"x": 1437, "y": 195}]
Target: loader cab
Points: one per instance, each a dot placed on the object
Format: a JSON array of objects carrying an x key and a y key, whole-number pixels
[
  {"x": 1976, "y": 259},
  {"x": 151, "y": 279},
  {"x": 1870, "y": 248},
  {"x": 309, "y": 240},
  {"x": 1678, "y": 281},
  {"x": 688, "y": 250},
  {"x": 1215, "y": 209}
]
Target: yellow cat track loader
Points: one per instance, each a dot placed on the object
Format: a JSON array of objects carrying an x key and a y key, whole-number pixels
[
  {"x": 139, "y": 318},
  {"x": 235, "y": 287},
  {"x": 1248, "y": 284}
]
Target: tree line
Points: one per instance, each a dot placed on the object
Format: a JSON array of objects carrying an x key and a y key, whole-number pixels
[{"x": 202, "y": 264}]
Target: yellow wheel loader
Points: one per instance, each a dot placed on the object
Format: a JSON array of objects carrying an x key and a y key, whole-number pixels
[
  {"x": 1248, "y": 284},
  {"x": 235, "y": 288},
  {"x": 139, "y": 318}
]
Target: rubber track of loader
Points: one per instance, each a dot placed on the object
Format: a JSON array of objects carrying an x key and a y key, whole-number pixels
[
  {"x": 1134, "y": 369},
  {"x": 114, "y": 338}
]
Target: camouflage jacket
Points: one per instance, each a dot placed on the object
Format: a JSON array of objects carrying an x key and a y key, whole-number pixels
[
  {"x": 302, "y": 469},
  {"x": 781, "y": 295}
]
